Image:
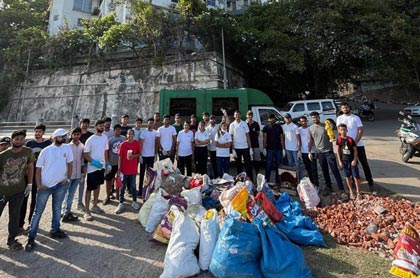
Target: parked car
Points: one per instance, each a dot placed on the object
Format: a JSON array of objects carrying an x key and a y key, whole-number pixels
[
  {"x": 325, "y": 107},
  {"x": 413, "y": 110}
]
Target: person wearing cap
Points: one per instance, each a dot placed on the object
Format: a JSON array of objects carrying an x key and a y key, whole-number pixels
[
  {"x": 96, "y": 154},
  {"x": 241, "y": 144},
  {"x": 76, "y": 174},
  {"x": 254, "y": 133},
  {"x": 166, "y": 135},
  {"x": 37, "y": 145},
  {"x": 124, "y": 125},
  {"x": 325, "y": 155},
  {"x": 212, "y": 129},
  {"x": 292, "y": 143},
  {"x": 272, "y": 143},
  {"x": 178, "y": 125},
  {"x": 4, "y": 143},
  {"x": 15, "y": 162},
  {"x": 53, "y": 173},
  {"x": 108, "y": 131}
]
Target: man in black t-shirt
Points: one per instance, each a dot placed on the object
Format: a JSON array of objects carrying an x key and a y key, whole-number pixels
[
  {"x": 124, "y": 125},
  {"x": 272, "y": 133},
  {"x": 84, "y": 125},
  {"x": 36, "y": 144},
  {"x": 254, "y": 133}
]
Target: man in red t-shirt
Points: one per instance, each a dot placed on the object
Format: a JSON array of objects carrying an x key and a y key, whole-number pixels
[{"x": 130, "y": 151}]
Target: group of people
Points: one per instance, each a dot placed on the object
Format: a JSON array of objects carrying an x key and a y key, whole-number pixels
[{"x": 38, "y": 168}]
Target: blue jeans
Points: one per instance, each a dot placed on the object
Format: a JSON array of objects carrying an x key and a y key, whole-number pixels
[
  {"x": 58, "y": 192},
  {"x": 70, "y": 194},
  {"x": 128, "y": 180},
  {"x": 293, "y": 161},
  {"x": 222, "y": 165},
  {"x": 277, "y": 156},
  {"x": 328, "y": 159}
]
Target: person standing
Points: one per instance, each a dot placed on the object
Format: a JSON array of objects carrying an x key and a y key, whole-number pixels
[
  {"x": 254, "y": 133},
  {"x": 37, "y": 145},
  {"x": 148, "y": 139},
  {"x": 178, "y": 125},
  {"x": 53, "y": 172},
  {"x": 310, "y": 164},
  {"x": 96, "y": 154},
  {"x": 206, "y": 118},
  {"x": 292, "y": 143},
  {"x": 212, "y": 129},
  {"x": 84, "y": 125},
  {"x": 4, "y": 143},
  {"x": 124, "y": 125},
  {"x": 76, "y": 173},
  {"x": 193, "y": 123},
  {"x": 272, "y": 142},
  {"x": 113, "y": 153},
  {"x": 156, "y": 121},
  {"x": 241, "y": 144},
  {"x": 223, "y": 141},
  {"x": 130, "y": 150},
  {"x": 166, "y": 135},
  {"x": 201, "y": 141},
  {"x": 185, "y": 149},
  {"x": 15, "y": 162},
  {"x": 355, "y": 131},
  {"x": 138, "y": 129},
  {"x": 325, "y": 154}
]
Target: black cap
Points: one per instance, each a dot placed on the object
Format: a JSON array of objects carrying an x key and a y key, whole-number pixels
[{"x": 5, "y": 140}]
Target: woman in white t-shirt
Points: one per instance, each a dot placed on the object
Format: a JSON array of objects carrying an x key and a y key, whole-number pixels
[
  {"x": 185, "y": 149},
  {"x": 202, "y": 139},
  {"x": 223, "y": 143}
]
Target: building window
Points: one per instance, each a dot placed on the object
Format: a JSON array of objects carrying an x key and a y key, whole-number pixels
[
  {"x": 83, "y": 6},
  {"x": 211, "y": 3},
  {"x": 80, "y": 22}
]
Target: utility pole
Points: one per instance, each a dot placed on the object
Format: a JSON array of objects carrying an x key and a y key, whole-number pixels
[{"x": 224, "y": 61}]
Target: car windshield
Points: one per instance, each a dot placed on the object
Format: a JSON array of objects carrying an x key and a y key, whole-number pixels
[{"x": 288, "y": 106}]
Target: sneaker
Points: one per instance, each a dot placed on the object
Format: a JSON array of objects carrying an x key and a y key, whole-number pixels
[
  {"x": 30, "y": 245},
  {"x": 135, "y": 205},
  {"x": 81, "y": 207},
  {"x": 372, "y": 189},
  {"x": 120, "y": 208},
  {"x": 69, "y": 217},
  {"x": 58, "y": 234},
  {"x": 15, "y": 246},
  {"x": 97, "y": 209},
  {"x": 87, "y": 216}
]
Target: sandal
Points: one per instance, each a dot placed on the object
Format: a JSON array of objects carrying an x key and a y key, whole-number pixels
[{"x": 15, "y": 246}]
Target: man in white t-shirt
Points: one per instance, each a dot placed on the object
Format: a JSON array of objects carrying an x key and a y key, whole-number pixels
[
  {"x": 166, "y": 139},
  {"x": 148, "y": 140},
  {"x": 355, "y": 131},
  {"x": 310, "y": 164},
  {"x": 96, "y": 154},
  {"x": 241, "y": 144},
  {"x": 53, "y": 172},
  {"x": 292, "y": 143}
]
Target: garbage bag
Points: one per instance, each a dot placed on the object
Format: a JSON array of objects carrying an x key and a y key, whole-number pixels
[
  {"x": 180, "y": 260},
  {"x": 159, "y": 208},
  {"x": 149, "y": 183},
  {"x": 307, "y": 193},
  {"x": 193, "y": 196},
  {"x": 209, "y": 232},
  {"x": 269, "y": 208},
  {"x": 163, "y": 231},
  {"x": 298, "y": 228},
  {"x": 237, "y": 252},
  {"x": 280, "y": 257},
  {"x": 145, "y": 209}
]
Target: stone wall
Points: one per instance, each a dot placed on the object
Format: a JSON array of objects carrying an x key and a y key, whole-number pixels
[{"x": 128, "y": 87}]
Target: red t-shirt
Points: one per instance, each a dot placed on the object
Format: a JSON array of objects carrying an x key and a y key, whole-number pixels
[{"x": 129, "y": 167}]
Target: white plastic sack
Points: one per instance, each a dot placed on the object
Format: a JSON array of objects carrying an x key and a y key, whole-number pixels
[
  {"x": 193, "y": 196},
  {"x": 163, "y": 167},
  {"x": 180, "y": 260},
  {"x": 146, "y": 208},
  {"x": 307, "y": 193},
  {"x": 159, "y": 208},
  {"x": 209, "y": 232}
]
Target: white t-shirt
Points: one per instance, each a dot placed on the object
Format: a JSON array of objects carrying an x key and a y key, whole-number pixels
[
  {"x": 290, "y": 140},
  {"x": 165, "y": 134},
  {"x": 53, "y": 161},
  {"x": 222, "y": 139},
  {"x": 96, "y": 147},
  {"x": 238, "y": 132},
  {"x": 352, "y": 122},
  {"x": 149, "y": 142},
  {"x": 212, "y": 131},
  {"x": 109, "y": 133},
  {"x": 185, "y": 139},
  {"x": 201, "y": 136},
  {"x": 305, "y": 136}
]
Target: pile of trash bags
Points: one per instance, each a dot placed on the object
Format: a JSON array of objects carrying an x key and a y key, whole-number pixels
[{"x": 239, "y": 229}]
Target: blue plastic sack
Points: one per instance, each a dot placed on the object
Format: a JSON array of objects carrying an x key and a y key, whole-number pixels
[
  {"x": 298, "y": 228},
  {"x": 280, "y": 257},
  {"x": 237, "y": 252}
]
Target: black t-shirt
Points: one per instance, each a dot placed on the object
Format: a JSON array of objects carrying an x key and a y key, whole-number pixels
[
  {"x": 346, "y": 148},
  {"x": 125, "y": 129},
  {"x": 274, "y": 132},
  {"x": 37, "y": 147},
  {"x": 85, "y": 136},
  {"x": 194, "y": 127},
  {"x": 254, "y": 130}
]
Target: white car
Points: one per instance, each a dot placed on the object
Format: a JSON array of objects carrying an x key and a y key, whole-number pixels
[{"x": 413, "y": 110}]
